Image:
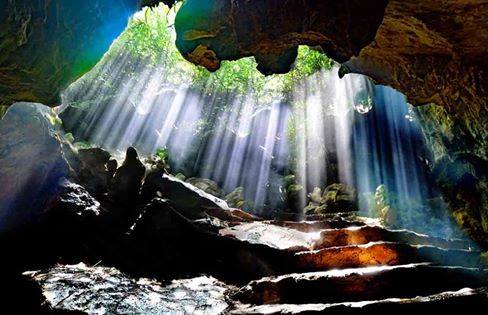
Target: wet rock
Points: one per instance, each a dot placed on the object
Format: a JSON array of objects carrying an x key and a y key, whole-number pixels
[
  {"x": 96, "y": 290},
  {"x": 207, "y": 185},
  {"x": 271, "y": 235},
  {"x": 31, "y": 162},
  {"x": 384, "y": 253},
  {"x": 186, "y": 198}
]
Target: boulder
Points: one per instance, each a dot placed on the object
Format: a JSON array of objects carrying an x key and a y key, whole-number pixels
[
  {"x": 316, "y": 195},
  {"x": 339, "y": 198},
  {"x": 191, "y": 201},
  {"x": 76, "y": 289},
  {"x": 236, "y": 199},
  {"x": 46, "y": 45},
  {"x": 207, "y": 185},
  {"x": 94, "y": 169},
  {"x": 31, "y": 162}
]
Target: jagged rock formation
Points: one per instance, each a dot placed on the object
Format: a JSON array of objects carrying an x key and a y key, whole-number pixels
[
  {"x": 209, "y": 32},
  {"x": 416, "y": 47},
  {"x": 46, "y": 45}
]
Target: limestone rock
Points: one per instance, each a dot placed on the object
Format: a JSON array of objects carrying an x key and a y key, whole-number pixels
[
  {"x": 207, "y": 185},
  {"x": 235, "y": 199},
  {"x": 211, "y": 31},
  {"x": 31, "y": 162},
  {"x": 47, "y": 45},
  {"x": 93, "y": 169},
  {"x": 116, "y": 293},
  {"x": 339, "y": 198},
  {"x": 186, "y": 198}
]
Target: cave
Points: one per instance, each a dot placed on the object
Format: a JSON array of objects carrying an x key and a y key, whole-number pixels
[{"x": 243, "y": 157}]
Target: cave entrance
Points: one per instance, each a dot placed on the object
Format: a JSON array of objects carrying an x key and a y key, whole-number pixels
[{"x": 286, "y": 145}]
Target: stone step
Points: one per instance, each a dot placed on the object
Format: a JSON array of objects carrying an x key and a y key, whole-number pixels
[
  {"x": 366, "y": 234},
  {"x": 291, "y": 236},
  {"x": 360, "y": 284},
  {"x": 317, "y": 225},
  {"x": 383, "y": 253},
  {"x": 448, "y": 302}
]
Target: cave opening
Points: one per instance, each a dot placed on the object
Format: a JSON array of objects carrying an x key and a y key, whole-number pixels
[{"x": 274, "y": 146}]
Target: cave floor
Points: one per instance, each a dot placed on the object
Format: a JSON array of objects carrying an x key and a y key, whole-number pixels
[{"x": 334, "y": 264}]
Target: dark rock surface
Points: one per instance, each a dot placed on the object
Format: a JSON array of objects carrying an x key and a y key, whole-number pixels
[
  {"x": 190, "y": 200},
  {"x": 31, "y": 163},
  {"x": 99, "y": 290},
  {"x": 209, "y": 32},
  {"x": 46, "y": 45},
  {"x": 415, "y": 47}
]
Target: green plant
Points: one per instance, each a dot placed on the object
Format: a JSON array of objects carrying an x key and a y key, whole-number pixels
[{"x": 163, "y": 154}]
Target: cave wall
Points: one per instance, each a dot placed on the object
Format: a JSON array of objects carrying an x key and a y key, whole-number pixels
[
  {"x": 271, "y": 30},
  {"x": 45, "y": 45}
]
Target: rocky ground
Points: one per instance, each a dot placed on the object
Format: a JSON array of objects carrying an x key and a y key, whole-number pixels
[{"x": 86, "y": 234}]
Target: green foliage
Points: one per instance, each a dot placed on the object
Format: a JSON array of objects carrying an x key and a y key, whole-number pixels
[
  {"x": 151, "y": 36},
  {"x": 163, "y": 154},
  {"x": 82, "y": 145}
]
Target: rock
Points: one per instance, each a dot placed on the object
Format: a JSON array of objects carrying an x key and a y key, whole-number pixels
[
  {"x": 186, "y": 198},
  {"x": 69, "y": 228},
  {"x": 316, "y": 195},
  {"x": 235, "y": 199},
  {"x": 31, "y": 162},
  {"x": 271, "y": 31},
  {"x": 92, "y": 289},
  {"x": 410, "y": 45},
  {"x": 94, "y": 169},
  {"x": 207, "y": 185},
  {"x": 181, "y": 177},
  {"x": 293, "y": 194},
  {"x": 74, "y": 200},
  {"x": 35, "y": 32},
  {"x": 339, "y": 198},
  {"x": 155, "y": 163}
]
